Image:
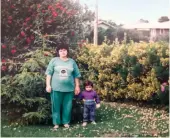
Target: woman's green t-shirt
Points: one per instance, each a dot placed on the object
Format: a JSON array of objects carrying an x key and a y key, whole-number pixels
[{"x": 63, "y": 74}]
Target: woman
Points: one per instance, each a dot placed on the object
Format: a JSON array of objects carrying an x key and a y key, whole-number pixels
[{"x": 62, "y": 81}]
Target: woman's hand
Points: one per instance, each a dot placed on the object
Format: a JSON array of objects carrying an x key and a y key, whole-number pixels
[
  {"x": 48, "y": 89},
  {"x": 77, "y": 90}
]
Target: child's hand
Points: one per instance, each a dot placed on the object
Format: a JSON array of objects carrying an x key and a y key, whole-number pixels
[{"x": 97, "y": 105}]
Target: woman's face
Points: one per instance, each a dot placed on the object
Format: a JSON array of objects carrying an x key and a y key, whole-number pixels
[{"x": 63, "y": 53}]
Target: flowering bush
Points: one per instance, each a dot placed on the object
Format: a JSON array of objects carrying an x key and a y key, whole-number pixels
[
  {"x": 28, "y": 24},
  {"x": 30, "y": 32}
]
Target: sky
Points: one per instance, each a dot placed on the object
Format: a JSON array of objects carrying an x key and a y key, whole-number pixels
[{"x": 130, "y": 11}]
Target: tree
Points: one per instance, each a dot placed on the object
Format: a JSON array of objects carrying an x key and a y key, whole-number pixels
[
  {"x": 34, "y": 26},
  {"x": 163, "y": 19},
  {"x": 28, "y": 24}
]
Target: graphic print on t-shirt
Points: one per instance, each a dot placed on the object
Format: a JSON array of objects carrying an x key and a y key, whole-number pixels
[{"x": 63, "y": 73}]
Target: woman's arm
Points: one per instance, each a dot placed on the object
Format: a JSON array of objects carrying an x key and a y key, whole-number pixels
[
  {"x": 76, "y": 75},
  {"x": 49, "y": 72},
  {"x": 48, "y": 83},
  {"x": 77, "y": 86}
]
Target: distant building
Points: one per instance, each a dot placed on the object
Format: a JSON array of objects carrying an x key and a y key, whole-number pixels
[
  {"x": 104, "y": 25},
  {"x": 156, "y": 29}
]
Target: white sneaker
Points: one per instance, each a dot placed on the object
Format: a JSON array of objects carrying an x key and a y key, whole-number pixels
[
  {"x": 84, "y": 124},
  {"x": 66, "y": 126},
  {"x": 93, "y": 122},
  {"x": 55, "y": 128}
]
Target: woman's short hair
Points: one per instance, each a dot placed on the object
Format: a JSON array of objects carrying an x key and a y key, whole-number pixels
[{"x": 62, "y": 46}]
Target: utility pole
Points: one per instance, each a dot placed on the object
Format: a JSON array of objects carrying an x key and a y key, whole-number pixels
[{"x": 96, "y": 24}]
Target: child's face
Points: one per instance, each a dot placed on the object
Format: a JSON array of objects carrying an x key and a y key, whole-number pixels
[{"x": 88, "y": 88}]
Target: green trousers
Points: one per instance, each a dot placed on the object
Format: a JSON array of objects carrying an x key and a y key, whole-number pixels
[{"x": 61, "y": 107}]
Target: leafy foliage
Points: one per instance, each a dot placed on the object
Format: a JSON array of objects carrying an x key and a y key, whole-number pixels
[
  {"x": 23, "y": 95},
  {"x": 28, "y": 25},
  {"x": 24, "y": 98},
  {"x": 131, "y": 71},
  {"x": 163, "y": 19}
]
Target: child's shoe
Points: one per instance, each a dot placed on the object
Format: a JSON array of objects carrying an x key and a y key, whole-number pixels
[
  {"x": 93, "y": 122},
  {"x": 84, "y": 124}
]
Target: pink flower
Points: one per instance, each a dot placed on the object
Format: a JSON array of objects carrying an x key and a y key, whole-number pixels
[
  {"x": 79, "y": 44},
  {"x": 83, "y": 41},
  {"x": 24, "y": 23},
  {"x": 162, "y": 88},
  {"x": 164, "y": 84},
  {"x": 54, "y": 14},
  {"x": 3, "y": 68},
  {"x": 38, "y": 6},
  {"x": 13, "y": 51},
  {"x": 9, "y": 21},
  {"x": 27, "y": 19},
  {"x": 3, "y": 46},
  {"x": 45, "y": 54},
  {"x": 61, "y": 8},
  {"x": 12, "y": 6},
  {"x": 10, "y": 18},
  {"x": 49, "y": 7},
  {"x": 72, "y": 33},
  {"x": 64, "y": 9},
  {"x": 28, "y": 40},
  {"x": 58, "y": 5},
  {"x": 23, "y": 33},
  {"x": 3, "y": 60}
]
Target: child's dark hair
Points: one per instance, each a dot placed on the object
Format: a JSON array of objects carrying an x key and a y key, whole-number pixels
[{"x": 88, "y": 83}]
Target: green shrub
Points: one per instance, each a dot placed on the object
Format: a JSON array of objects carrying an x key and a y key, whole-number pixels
[
  {"x": 23, "y": 95},
  {"x": 132, "y": 71}
]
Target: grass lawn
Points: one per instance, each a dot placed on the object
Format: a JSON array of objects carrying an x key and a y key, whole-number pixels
[{"x": 113, "y": 120}]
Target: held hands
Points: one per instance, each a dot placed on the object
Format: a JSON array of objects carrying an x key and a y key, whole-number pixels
[
  {"x": 97, "y": 105},
  {"x": 48, "y": 89}
]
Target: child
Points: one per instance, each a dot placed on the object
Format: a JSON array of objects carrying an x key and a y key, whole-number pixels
[{"x": 90, "y": 99}]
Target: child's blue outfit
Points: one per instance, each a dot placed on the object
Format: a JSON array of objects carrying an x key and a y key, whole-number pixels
[{"x": 90, "y": 100}]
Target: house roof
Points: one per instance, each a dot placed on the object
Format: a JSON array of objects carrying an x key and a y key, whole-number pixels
[
  {"x": 164, "y": 25},
  {"x": 105, "y": 23}
]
